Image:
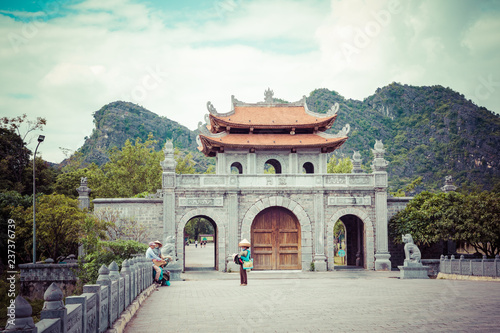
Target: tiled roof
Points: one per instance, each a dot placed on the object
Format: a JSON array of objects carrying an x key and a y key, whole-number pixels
[
  {"x": 268, "y": 141},
  {"x": 270, "y": 117}
]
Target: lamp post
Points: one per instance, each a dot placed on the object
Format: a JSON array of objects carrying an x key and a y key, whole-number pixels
[{"x": 40, "y": 140}]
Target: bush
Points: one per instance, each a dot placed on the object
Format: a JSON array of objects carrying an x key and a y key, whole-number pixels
[{"x": 105, "y": 254}]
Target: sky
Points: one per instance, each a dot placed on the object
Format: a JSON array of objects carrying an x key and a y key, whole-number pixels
[{"x": 65, "y": 59}]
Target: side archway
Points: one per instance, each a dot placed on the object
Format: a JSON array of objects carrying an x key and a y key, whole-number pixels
[
  {"x": 369, "y": 248},
  {"x": 296, "y": 209},
  {"x": 220, "y": 230}
]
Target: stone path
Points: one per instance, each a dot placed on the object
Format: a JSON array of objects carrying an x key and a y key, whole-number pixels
[{"x": 340, "y": 301}]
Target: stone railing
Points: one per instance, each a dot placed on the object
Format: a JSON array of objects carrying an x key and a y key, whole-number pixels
[
  {"x": 36, "y": 278},
  {"x": 279, "y": 180},
  {"x": 474, "y": 267},
  {"x": 96, "y": 310}
]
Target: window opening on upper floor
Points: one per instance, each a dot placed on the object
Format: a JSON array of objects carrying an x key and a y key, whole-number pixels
[
  {"x": 272, "y": 166},
  {"x": 308, "y": 167},
  {"x": 236, "y": 168}
]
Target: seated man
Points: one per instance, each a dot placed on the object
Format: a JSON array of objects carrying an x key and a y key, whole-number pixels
[{"x": 150, "y": 254}]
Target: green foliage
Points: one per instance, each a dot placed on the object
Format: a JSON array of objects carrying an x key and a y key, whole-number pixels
[
  {"x": 184, "y": 162},
  {"x": 106, "y": 252},
  {"x": 14, "y": 157},
  {"x": 341, "y": 165},
  {"x": 471, "y": 218},
  {"x": 58, "y": 227},
  {"x": 68, "y": 181},
  {"x": 338, "y": 229},
  {"x": 8, "y": 202},
  {"x": 133, "y": 169},
  {"x": 408, "y": 188}
]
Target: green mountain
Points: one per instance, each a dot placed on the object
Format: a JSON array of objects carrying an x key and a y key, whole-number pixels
[
  {"x": 427, "y": 131},
  {"x": 118, "y": 121}
]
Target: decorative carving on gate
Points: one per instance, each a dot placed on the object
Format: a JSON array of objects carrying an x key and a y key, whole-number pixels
[
  {"x": 349, "y": 201},
  {"x": 197, "y": 202}
]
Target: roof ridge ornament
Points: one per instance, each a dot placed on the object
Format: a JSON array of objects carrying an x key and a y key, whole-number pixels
[
  {"x": 334, "y": 109},
  {"x": 211, "y": 108},
  {"x": 344, "y": 131},
  {"x": 269, "y": 96}
]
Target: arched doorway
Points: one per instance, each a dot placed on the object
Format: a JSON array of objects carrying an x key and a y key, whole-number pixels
[
  {"x": 197, "y": 257},
  {"x": 276, "y": 240},
  {"x": 354, "y": 241}
]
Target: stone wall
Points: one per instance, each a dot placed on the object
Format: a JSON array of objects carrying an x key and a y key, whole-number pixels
[
  {"x": 147, "y": 212},
  {"x": 36, "y": 278},
  {"x": 94, "y": 311}
]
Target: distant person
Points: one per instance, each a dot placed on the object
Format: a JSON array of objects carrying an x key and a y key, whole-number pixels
[
  {"x": 150, "y": 254},
  {"x": 196, "y": 244},
  {"x": 245, "y": 257}
]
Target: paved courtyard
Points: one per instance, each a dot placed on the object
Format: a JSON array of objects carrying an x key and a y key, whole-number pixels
[{"x": 340, "y": 301}]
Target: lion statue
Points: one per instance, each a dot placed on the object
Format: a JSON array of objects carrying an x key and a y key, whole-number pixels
[
  {"x": 412, "y": 252},
  {"x": 168, "y": 251}
]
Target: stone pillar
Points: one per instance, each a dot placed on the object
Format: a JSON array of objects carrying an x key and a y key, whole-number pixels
[
  {"x": 448, "y": 185},
  {"x": 221, "y": 168},
  {"x": 293, "y": 162},
  {"x": 323, "y": 161},
  {"x": 252, "y": 163},
  {"x": 168, "y": 186},
  {"x": 20, "y": 310},
  {"x": 379, "y": 166},
  {"x": 53, "y": 307},
  {"x": 83, "y": 194},
  {"x": 356, "y": 162},
  {"x": 319, "y": 233},
  {"x": 233, "y": 235}
]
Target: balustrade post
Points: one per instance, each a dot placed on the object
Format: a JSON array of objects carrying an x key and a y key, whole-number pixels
[
  {"x": 19, "y": 317},
  {"x": 125, "y": 273},
  {"x": 114, "y": 276},
  {"x": 53, "y": 307},
  {"x": 104, "y": 280}
]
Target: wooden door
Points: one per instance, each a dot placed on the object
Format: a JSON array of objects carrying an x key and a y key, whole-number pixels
[{"x": 276, "y": 240}]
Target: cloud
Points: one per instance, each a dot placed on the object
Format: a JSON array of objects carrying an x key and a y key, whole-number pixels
[{"x": 172, "y": 61}]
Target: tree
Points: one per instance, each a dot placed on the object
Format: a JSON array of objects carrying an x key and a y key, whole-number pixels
[
  {"x": 133, "y": 169},
  {"x": 408, "y": 188},
  {"x": 68, "y": 181},
  {"x": 15, "y": 125},
  {"x": 58, "y": 226},
  {"x": 341, "y": 165},
  {"x": 14, "y": 157},
  {"x": 471, "y": 218},
  {"x": 184, "y": 162}
]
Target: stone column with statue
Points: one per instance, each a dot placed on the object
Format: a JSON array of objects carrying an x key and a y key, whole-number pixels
[{"x": 379, "y": 166}]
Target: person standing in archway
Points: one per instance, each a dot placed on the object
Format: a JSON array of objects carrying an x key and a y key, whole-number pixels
[{"x": 245, "y": 256}]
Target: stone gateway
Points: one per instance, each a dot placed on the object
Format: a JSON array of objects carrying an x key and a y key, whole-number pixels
[{"x": 288, "y": 215}]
